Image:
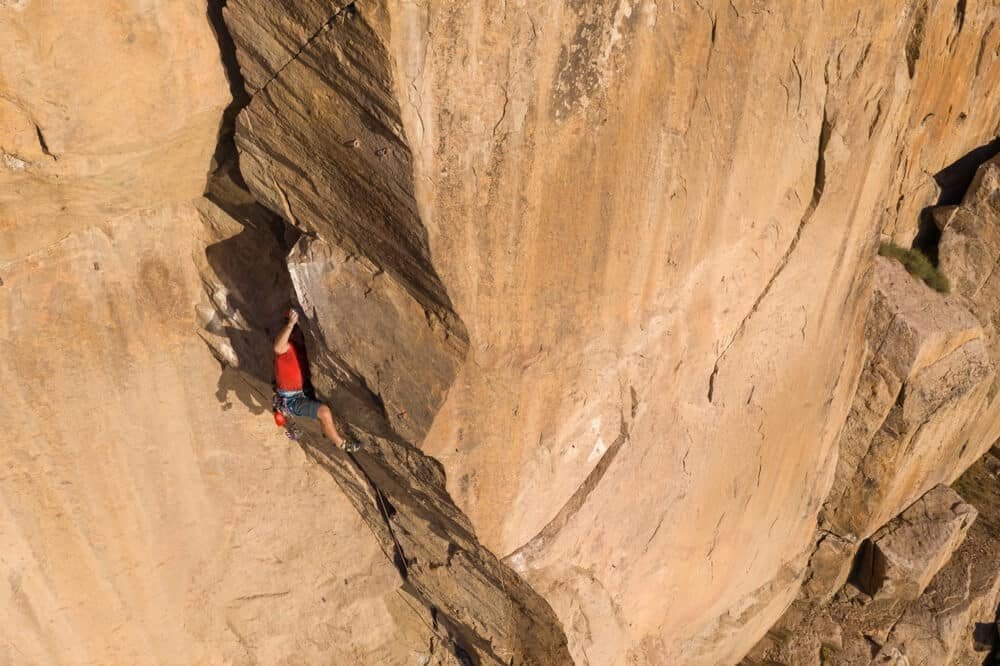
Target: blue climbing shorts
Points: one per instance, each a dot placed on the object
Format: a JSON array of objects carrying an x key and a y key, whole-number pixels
[{"x": 298, "y": 404}]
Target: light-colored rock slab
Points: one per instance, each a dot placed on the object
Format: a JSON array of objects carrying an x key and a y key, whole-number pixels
[
  {"x": 924, "y": 384},
  {"x": 105, "y": 107},
  {"x": 899, "y": 560},
  {"x": 150, "y": 511}
]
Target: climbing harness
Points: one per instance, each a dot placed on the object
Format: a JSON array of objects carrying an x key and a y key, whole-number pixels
[{"x": 282, "y": 417}]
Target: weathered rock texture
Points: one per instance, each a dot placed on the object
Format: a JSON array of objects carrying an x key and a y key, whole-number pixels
[
  {"x": 149, "y": 510},
  {"x": 104, "y": 108},
  {"x": 589, "y": 278},
  {"x": 924, "y": 409},
  {"x": 629, "y": 246},
  {"x": 924, "y": 382},
  {"x": 948, "y": 624},
  {"x": 901, "y": 558},
  {"x": 149, "y": 516}
]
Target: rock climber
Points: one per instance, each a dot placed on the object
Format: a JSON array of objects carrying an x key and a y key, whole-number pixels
[{"x": 289, "y": 362}]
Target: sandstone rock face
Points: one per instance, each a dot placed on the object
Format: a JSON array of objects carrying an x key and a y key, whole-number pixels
[
  {"x": 619, "y": 273},
  {"x": 149, "y": 516},
  {"x": 104, "y": 108},
  {"x": 901, "y": 558},
  {"x": 942, "y": 626},
  {"x": 589, "y": 279},
  {"x": 923, "y": 410},
  {"x": 925, "y": 380},
  {"x": 151, "y": 512}
]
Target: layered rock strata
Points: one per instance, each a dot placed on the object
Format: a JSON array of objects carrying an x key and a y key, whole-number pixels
[{"x": 480, "y": 175}]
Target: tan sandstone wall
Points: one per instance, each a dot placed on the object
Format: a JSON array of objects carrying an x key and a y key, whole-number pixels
[
  {"x": 656, "y": 223},
  {"x": 148, "y": 516},
  {"x": 150, "y": 512},
  {"x": 588, "y": 278},
  {"x": 104, "y": 108}
]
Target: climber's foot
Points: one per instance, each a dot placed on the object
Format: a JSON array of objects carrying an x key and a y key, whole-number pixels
[{"x": 350, "y": 446}]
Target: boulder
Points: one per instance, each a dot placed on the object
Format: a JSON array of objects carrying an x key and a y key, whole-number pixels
[
  {"x": 829, "y": 568},
  {"x": 924, "y": 384},
  {"x": 900, "y": 559},
  {"x": 943, "y": 625}
]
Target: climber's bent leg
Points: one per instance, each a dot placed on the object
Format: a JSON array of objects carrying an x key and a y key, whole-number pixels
[{"x": 325, "y": 417}]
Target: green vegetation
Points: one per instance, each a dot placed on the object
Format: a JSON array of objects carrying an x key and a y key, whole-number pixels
[{"x": 917, "y": 263}]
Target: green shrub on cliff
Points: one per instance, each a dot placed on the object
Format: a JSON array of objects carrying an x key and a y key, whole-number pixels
[{"x": 917, "y": 263}]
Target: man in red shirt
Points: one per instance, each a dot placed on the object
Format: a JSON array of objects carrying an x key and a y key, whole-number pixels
[{"x": 288, "y": 363}]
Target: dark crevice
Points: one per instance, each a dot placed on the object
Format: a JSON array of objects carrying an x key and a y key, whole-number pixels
[
  {"x": 955, "y": 178},
  {"x": 959, "y": 17},
  {"x": 225, "y": 147},
  {"x": 43, "y": 144},
  {"x": 819, "y": 186},
  {"x": 982, "y": 47},
  {"x": 347, "y": 11},
  {"x": 953, "y": 182},
  {"x": 915, "y": 39},
  {"x": 575, "y": 502},
  {"x": 928, "y": 236},
  {"x": 387, "y": 510}
]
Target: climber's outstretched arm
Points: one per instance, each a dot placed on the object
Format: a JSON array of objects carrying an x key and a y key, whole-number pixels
[{"x": 281, "y": 342}]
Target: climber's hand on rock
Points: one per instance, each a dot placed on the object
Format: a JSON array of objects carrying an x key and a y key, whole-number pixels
[{"x": 293, "y": 317}]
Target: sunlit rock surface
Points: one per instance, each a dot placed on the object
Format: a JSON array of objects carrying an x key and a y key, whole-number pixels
[
  {"x": 654, "y": 227},
  {"x": 589, "y": 279}
]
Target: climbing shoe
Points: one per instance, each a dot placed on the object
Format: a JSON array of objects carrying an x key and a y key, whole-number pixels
[{"x": 351, "y": 445}]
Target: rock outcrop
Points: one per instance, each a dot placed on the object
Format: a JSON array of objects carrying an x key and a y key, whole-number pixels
[
  {"x": 149, "y": 510},
  {"x": 924, "y": 410},
  {"x": 945, "y": 625},
  {"x": 925, "y": 380},
  {"x": 589, "y": 279},
  {"x": 899, "y": 560},
  {"x": 601, "y": 290}
]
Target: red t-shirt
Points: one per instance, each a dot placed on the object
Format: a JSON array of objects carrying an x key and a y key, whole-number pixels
[{"x": 288, "y": 369}]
